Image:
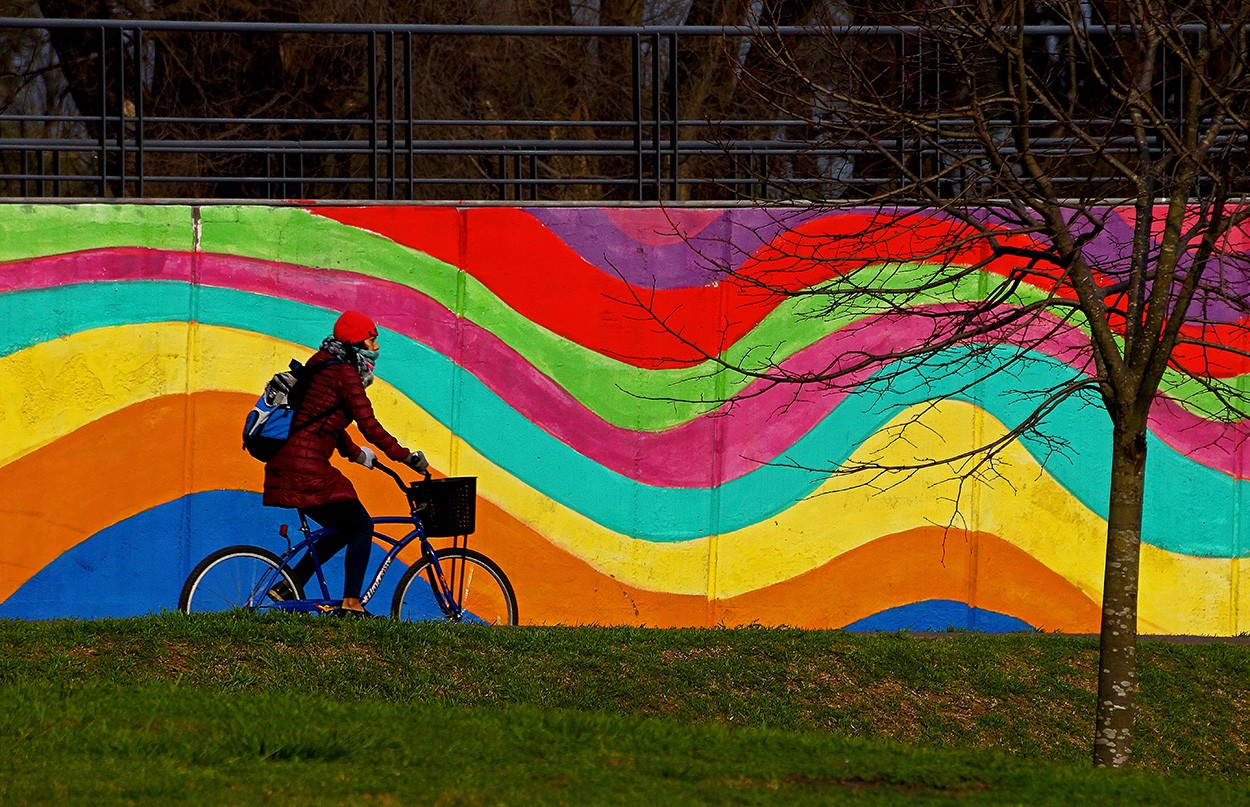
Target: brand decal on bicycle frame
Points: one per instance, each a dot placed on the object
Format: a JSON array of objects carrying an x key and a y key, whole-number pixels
[{"x": 377, "y": 578}]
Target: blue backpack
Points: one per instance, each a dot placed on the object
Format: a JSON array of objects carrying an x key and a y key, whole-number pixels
[{"x": 268, "y": 425}]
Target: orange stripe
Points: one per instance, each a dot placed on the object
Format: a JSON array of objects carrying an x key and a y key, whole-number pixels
[
  {"x": 61, "y": 494},
  {"x": 925, "y": 563}
]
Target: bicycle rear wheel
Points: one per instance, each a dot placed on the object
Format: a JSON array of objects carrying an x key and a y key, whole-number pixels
[
  {"x": 230, "y": 579},
  {"x": 480, "y": 587}
]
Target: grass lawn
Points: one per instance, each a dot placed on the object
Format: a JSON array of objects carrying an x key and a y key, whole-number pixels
[{"x": 294, "y": 709}]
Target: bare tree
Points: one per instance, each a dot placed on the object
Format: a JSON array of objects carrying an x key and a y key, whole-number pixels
[
  {"x": 1006, "y": 140},
  {"x": 34, "y": 97},
  {"x": 306, "y": 94},
  {"x": 310, "y": 88}
]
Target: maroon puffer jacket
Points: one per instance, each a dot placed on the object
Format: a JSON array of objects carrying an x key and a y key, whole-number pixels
[{"x": 300, "y": 475}]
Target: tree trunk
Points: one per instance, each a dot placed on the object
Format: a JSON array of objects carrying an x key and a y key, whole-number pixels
[{"x": 1117, "y": 662}]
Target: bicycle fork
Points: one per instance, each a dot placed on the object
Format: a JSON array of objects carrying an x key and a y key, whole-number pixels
[{"x": 447, "y": 601}]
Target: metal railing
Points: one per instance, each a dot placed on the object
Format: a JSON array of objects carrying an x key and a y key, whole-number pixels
[{"x": 87, "y": 110}]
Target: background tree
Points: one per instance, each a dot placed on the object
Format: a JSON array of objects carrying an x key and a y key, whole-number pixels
[
  {"x": 35, "y": 97},
  {"x": 1007, "y": 152},
  {"x": 298, "y": 91},
  {"x": 304, "y": 88}
]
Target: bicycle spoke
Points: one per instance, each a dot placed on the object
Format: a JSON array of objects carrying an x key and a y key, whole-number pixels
[
  {"x": 235, "y": 578},
  {"x": 480, "y": 589}
]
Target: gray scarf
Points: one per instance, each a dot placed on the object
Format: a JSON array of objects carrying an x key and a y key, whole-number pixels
[{"x": 349, "y": 355}]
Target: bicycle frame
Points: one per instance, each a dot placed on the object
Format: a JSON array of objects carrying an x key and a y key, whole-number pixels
[{"x": 444, "y": 595}]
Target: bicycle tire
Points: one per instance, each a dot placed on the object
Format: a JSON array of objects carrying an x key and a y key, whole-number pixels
[
  {"x": 491, "y": 601},
  {"x": 225, "y": 580}
]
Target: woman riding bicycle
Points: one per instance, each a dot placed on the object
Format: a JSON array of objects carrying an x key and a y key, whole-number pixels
[{"x": 301, "y": 476}]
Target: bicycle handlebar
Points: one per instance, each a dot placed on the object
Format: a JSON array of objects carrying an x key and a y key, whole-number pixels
[{"x": 394, "y": 475}]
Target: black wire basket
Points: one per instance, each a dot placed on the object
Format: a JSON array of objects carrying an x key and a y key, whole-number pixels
[{"x": 447, "y": 507}]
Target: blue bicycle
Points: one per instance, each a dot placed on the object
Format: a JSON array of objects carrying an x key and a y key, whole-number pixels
[{"x": 455, "y": 583}]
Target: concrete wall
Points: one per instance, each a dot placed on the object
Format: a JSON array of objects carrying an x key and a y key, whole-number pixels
[{"x": 519, "y": 346}]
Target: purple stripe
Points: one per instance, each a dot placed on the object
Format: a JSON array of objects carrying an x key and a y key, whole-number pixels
[
  {"x": 697, "y": 252},
  {"x": 669, "y": 248}
]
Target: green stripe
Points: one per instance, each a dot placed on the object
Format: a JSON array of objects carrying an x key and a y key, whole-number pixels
[{"x": 34, "y": 231}]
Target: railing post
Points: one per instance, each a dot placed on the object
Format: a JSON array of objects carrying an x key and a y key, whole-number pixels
[
  {"x": 373, "y": 111},
  {"x": 121, "y": 112},
  {"x": 103, "y": 112},
  {"x": 412, "y": 190},
  {"x": 138, "y": 57},
  {"x": 636, "y": 60},
  {"x": 390, "y": 112},
  {"x": 674, "y": 111},
  {"x": 656, "y": 117}
]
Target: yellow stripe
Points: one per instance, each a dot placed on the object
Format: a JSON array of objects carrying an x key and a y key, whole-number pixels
[
  {"x": 69, "y": 382},
  {"x": 59, "y": 386}
]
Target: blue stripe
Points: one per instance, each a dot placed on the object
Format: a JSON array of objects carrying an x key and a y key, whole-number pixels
[
  {"x": 138, "y": 565},
  {"x": 937, "y": 616}
]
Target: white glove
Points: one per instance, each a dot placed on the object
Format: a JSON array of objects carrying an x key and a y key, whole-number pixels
[
  {"x": 417, "y": 461},
  {"x": 366, "y": 457}
]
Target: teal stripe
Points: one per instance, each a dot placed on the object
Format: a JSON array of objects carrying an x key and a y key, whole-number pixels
[{"x": 1190, "y": 508}]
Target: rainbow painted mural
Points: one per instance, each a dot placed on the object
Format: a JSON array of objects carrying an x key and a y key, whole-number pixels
[{"x": 560, "y": 356}]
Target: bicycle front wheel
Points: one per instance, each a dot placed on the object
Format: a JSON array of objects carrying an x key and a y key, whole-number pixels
[
  {"x": 231, "y": 578},
  {"x": 477, "y": 584}
]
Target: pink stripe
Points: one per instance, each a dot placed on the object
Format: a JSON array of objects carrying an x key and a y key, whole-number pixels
[{"x": 748, "y": 426}]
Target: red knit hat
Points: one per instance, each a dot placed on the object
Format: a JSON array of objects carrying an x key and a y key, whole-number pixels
[{"x": 354, "y": 327}]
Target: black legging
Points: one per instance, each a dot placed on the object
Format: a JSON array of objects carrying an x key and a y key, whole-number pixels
[{"x": 353, "y": 528}]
